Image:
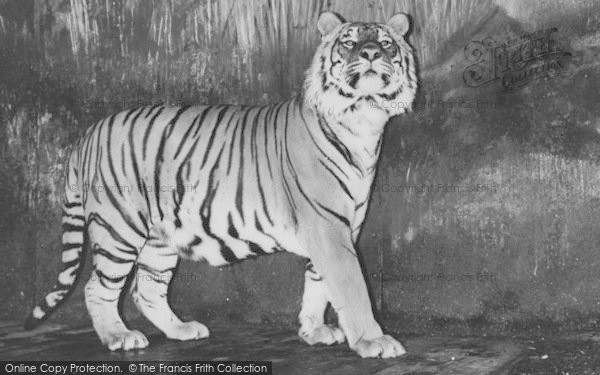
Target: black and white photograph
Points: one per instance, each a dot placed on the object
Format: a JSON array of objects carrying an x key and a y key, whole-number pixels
[{"x": 345, "y": 187}]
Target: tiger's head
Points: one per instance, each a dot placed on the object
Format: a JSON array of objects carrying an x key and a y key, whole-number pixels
[{"x": 361, "y": 69}]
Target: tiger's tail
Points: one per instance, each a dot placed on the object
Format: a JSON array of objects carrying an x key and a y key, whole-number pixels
[{"x": 73, "y": 228}]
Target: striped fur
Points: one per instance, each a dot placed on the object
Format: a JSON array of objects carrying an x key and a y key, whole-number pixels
[{"x": 224, "y": 183}]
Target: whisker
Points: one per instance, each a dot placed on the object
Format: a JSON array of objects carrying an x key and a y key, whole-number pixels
[
  {"x": 352, "y": 67},
  {"x": 351, "y": 71},
  {"x": 354, "y": 64}
]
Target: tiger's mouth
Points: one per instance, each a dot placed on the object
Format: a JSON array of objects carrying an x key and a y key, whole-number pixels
[
  {"x": 368, "y": 78},
  {"x": 369, "y": 81}
]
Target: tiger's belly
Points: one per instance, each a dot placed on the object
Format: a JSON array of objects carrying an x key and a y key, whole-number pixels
[{"x": 227, "y": 242}]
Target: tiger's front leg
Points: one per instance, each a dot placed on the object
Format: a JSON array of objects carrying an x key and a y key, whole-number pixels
[
  {"x": 334, "y": 257},
  {"x": 313, "y": 329}
]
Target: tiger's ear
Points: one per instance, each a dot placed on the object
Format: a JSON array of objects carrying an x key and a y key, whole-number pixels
[
  {"x": 328, "y": 21},
  {"x": 399, "y": 23}
]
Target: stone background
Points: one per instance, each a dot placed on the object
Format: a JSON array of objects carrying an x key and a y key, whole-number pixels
[{"x": 487, "y": 203}]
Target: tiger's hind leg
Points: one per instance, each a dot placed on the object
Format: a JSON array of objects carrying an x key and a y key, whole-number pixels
[
  {"x": 156, "y": 265},
  {"x": 113, "y": 262},
  {"x": 313, "y": 329}
]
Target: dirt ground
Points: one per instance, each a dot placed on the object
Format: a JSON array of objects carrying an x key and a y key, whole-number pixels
[{"x": 565, "y": 353}]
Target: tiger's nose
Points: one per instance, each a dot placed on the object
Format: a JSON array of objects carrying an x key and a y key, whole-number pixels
[{"x": 370, "y": 52}]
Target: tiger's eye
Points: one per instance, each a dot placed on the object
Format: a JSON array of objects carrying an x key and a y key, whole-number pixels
[
  {"x": 349, "y": 44},
  {"x": 386, "y": 44}
]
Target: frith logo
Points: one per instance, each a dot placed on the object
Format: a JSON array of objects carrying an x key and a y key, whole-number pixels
[{"x": 514, "y": 61}]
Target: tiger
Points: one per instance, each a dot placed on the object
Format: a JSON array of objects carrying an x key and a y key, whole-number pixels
[{"x": 241, "y": 181}]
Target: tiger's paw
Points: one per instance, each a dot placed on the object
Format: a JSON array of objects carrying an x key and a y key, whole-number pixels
[
  {"x": 384, "y": 347},
  {"x": 322, "y": 334},
  {"x": 126, "y": 340},
  {"x": 188, "y": 331}
]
